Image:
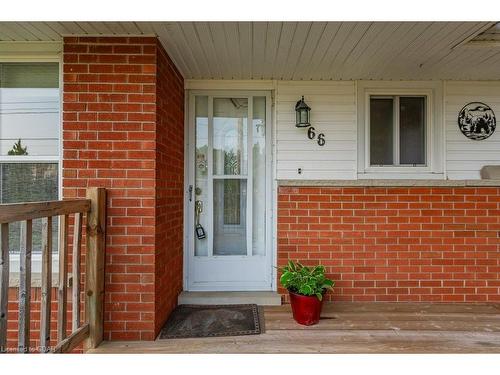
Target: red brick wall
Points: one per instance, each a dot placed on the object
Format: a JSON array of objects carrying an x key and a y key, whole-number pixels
[
  {"x": 115, "y": 125},
  {"x": 396, "y": 244},
  {"x": 169, "y": 187}
]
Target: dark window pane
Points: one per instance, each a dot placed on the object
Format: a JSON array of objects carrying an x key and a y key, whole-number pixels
[
  {"x": 29, "y": 182},
  {"x": 381, "y": 131},
  {"x": 412, "y": 130}
]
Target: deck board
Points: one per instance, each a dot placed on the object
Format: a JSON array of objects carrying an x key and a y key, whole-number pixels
[{"x": 352, "y": 328}]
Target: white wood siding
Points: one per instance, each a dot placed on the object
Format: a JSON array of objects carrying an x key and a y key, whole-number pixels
[
  {"x": 465, "y": 157},
  {"x": 333, "y": 113}
]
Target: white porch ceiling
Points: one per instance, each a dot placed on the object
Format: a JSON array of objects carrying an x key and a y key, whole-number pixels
[{"x": 303, "y": 50}]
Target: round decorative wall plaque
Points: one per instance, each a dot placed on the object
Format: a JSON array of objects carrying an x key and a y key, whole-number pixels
[{"x": 477, "y": 121}]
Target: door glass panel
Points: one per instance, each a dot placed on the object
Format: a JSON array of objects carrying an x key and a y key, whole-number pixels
[
  {"x": 230, "y": 136},
  {"x": 230, "y": 207},
  {"x": 381, "y": 131},
  {"x": 201, "y": 171},
  {"x": 259, "y": 176}
]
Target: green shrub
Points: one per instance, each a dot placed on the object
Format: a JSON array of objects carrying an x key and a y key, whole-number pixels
[{"x": 307, "y": 281}]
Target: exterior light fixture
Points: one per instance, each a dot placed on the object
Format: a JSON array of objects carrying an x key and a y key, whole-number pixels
[{"x": 302, "y": 114}]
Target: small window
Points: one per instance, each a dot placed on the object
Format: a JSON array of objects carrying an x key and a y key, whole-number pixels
[{"x": 397, "y": 131}]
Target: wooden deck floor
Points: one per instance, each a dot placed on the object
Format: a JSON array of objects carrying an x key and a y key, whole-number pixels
[{"x": 352, "y": 328}]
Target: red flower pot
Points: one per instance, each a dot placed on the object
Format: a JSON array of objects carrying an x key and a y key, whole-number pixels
[{"x": 306, "y": 309}]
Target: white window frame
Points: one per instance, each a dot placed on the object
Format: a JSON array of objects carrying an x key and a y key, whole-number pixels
[
  {"x": 434, "y": 147},
  {"x": 36, "y": 52}
]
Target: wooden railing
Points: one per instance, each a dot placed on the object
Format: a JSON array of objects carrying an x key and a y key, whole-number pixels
[{"x": 89, "y": 332}]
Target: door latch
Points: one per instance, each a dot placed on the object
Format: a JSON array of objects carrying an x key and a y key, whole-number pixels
[{"x": 190, "y": 190}]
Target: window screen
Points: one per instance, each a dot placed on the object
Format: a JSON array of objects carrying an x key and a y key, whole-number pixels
[
  {"x": 381, "y": 131},
  {"x": 397, "y": 130},
  {"x": 412, "y": 130}
]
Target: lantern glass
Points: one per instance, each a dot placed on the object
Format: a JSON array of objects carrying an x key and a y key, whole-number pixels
[{"x": 302, "y": 114}]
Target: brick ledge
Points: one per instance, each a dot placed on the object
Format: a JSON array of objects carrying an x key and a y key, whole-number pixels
[{"x": 389, "y": 183}]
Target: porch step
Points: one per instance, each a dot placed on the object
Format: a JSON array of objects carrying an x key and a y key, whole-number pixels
[{"x": 229, "y": 298}]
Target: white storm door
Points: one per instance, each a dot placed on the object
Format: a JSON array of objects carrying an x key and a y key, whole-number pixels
[{"x": 229, "y": 184}]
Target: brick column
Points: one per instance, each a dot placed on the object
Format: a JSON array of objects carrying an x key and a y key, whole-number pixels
[{"x": 118, "y": 125}]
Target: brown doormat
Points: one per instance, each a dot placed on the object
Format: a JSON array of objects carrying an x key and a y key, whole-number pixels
[{"x": 212, "y": 321}]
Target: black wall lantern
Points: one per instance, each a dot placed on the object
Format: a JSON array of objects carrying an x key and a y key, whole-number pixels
[{"x": 302, "y": 114}]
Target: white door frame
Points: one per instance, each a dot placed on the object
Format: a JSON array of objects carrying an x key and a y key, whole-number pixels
[{"x": 271, "y": 253}]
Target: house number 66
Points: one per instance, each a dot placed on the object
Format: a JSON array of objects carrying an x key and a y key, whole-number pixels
[{"x": 311, "y": 134}]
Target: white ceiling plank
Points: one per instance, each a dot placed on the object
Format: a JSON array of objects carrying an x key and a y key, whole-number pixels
[
  {"x": 259, "y": 41},
  {"x": 98, "y": 28},
  {"x": 370, "y": 63},
  {"x": 271, "y": 48},
  {"x": 314, "y": 36},
  {"x": 4, "y": 36},
  {"x": 221, "y": 50},
  {"x": 324, "y": 42},
  {"x": 54, "y": 26},
  {"x": 391, "y": 58},
  {"x": 406, "y": 34},
  {"x": 462, "y": 65},
  {"x": 286, "y": 37},
  {"x": 463, "y": 31},
  {"x": 205, "y": 37},
  {"x": 193, "y": 41},
  {"x": 109, "y": 28},
  {"x": 368, "y": 55},
  {"x": 131, "y": 28},
  {"x": 93, "y": 28},
  {"x": 43, "y": 29},
  {"x": 302, "y": 51},
  {"x": 442, "y": 44},
  {"x": 168, "y": 35},
  {"x": 369, "y": 38},
  {"x": 411, "y": 52},
  {"x": 29, "y": 32},
  {"x": 349, "y": 43},
  {"x": 13, "y": 32},
  {"x": 232, "y": 41},
  {"x": 148, "y": 27},
  {"x": 74, "y": 28},
  {"x": 296, "y": 48},
  {"x": 245, "y": 47},
  {"x": 323, "y": 68}
]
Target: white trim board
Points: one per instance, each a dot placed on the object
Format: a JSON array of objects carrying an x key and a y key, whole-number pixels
[
  {"x": 225, "y": 84},
  {"x": 433, "y": 90},
  {"x": 31, "y": 51}
]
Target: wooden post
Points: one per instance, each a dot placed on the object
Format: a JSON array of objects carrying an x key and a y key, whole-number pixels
[
  {"x": 77, "y": 244},
  {"x": 94, "y": 263},
  {"x": 62, "y": 298},
  {"x": 25, "y": 286},
  {"x": 4, "y": 284},
  {"x": 45, "y": 309}
]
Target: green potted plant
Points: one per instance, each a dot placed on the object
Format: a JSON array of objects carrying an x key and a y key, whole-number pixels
[{"x": 306, "y": 287}]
